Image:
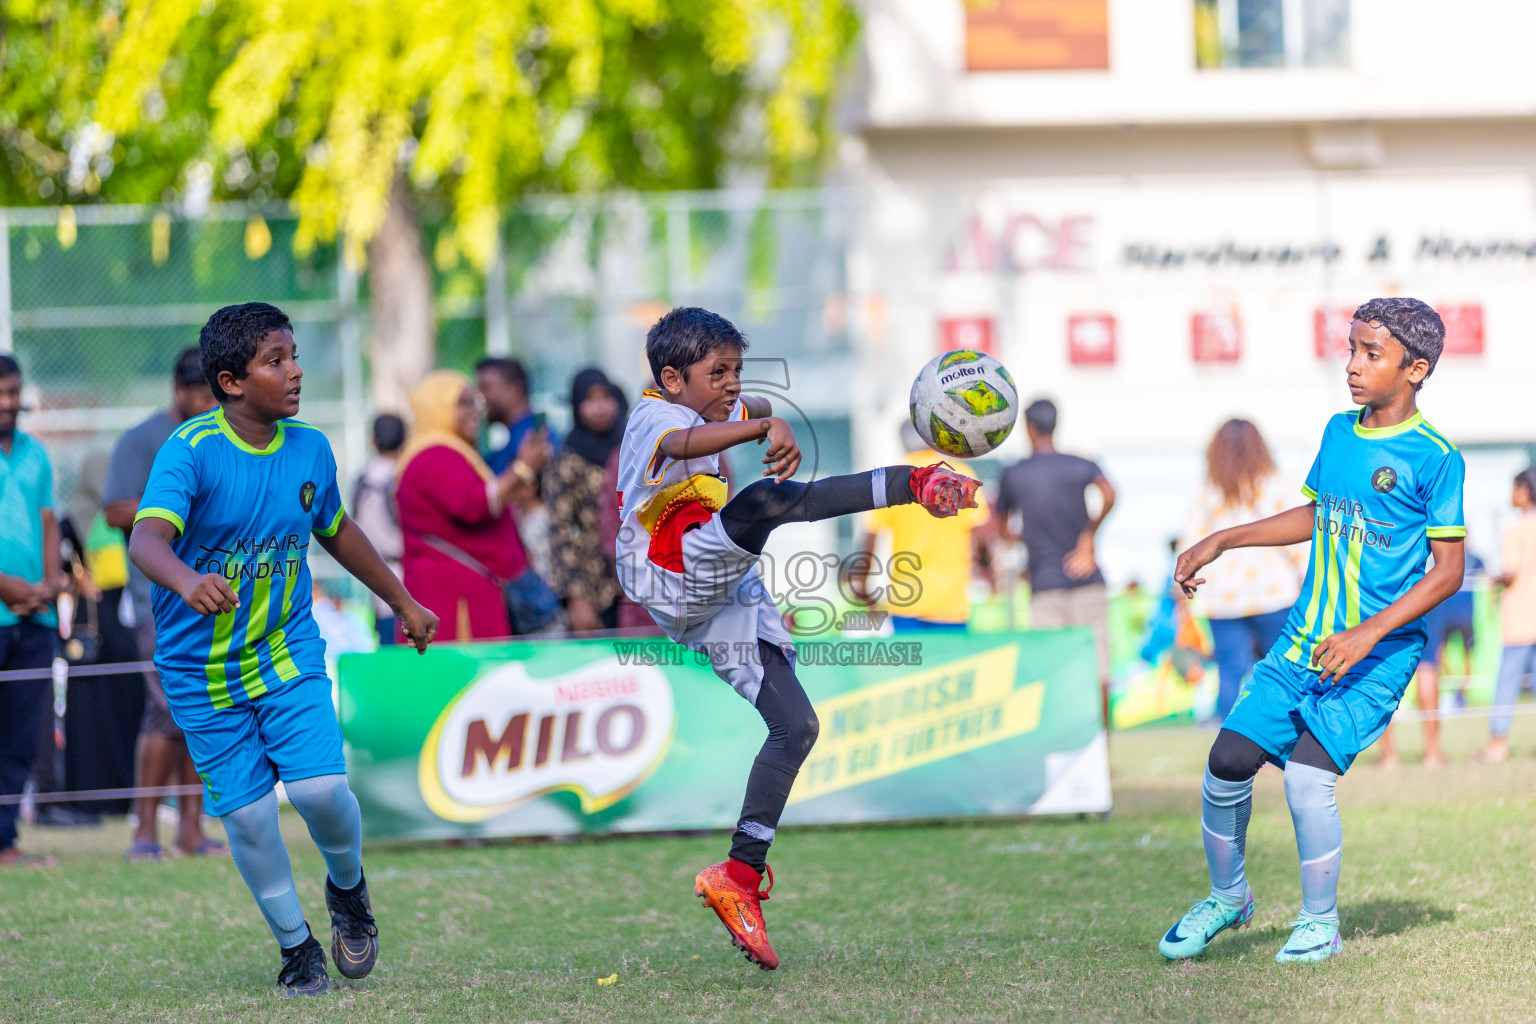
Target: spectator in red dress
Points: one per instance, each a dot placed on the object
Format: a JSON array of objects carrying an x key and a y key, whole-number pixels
[{"x": 454, "y": 512}]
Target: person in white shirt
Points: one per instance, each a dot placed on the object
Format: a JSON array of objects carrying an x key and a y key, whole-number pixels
[{"x": 1248, "y": 600}]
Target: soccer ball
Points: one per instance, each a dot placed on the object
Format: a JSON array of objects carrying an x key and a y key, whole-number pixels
[{"x": 964, "y": 403}]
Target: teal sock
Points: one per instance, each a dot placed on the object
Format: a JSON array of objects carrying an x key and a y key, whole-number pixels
[
  {"x": 256, "y": 844},
  {"x": 1224, "y": 825},
  {"x": 1319, "y": 837}
]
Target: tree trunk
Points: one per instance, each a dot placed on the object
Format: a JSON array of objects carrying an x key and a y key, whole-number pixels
[{"x": 403, "y": 346}]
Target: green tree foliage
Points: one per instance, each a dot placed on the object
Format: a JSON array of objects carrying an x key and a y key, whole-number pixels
[
  {"x": 52, "y": 55},
  {"x": 478, "y": 101}
]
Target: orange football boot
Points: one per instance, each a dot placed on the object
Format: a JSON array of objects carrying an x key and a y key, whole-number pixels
[
  {"x": 942, "y": 491},
  {"x": 730, "y": 890}
]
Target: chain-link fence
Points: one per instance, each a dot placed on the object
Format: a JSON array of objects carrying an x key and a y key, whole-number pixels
[
  {"x": 98, "y": 301},
  {"x": 583, "y": 281},
  {"x": 102, "y": 300}
]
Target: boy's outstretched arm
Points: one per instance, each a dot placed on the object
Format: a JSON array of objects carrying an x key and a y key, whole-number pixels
[
  {"x": 1340, "y": 652},
  {"x": 758, "y": 407},
  {"x": 150, "y": 548},
  {"x": 1292, "y": 526},
  {"x": 782, "y": 457},
  {"x": 350, "y": 546}
]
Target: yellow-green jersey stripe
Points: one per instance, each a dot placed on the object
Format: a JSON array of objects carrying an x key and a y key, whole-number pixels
[
  {"x": 1352, "y": 577},
  {"x": 1331, "y": 580},
  {"x": 218, "y": 655},
  {"x": 190, "y": 427},
  {"x": 1444, "y": 445},
  {"x": 161, "y": 513},
  {"x": 330, "y": 531},
  {"x": 1431, "y": 429},
  {"x": 1445, "y": 532},
  {"x": 255, "y": 632},
  {"x": 1315, "y": 571},
  {"x": 282, "y": 660}
]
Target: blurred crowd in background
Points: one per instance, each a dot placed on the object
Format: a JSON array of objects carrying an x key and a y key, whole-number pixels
[{"x": 504, "y": 528}]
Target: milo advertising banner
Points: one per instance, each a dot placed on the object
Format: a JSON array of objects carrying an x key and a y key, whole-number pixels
[{"x": 640, "y": 735}]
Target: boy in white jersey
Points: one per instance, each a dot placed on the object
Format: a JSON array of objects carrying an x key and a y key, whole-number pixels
[{"x": 687, "y": 555}]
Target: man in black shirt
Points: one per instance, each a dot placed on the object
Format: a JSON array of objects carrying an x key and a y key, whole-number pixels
[{"x": 1048, "y": 490}]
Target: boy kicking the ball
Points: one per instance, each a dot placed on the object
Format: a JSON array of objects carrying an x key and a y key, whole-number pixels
[
  {"x": 223, "y": 532},
  {"x": 1384, "y": 492},
  {"x": 688, "y": 556}
]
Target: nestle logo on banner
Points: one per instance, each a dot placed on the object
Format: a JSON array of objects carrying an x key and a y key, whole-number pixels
[{"x": 597, "y": 732}]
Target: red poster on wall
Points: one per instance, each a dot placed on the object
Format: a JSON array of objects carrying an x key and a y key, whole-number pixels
[
  {"x": 1091, "y": 339},
  {"x": 1216, "y": 337},
  {"x": 1330, "y": 331},
  {"x": 1463, "y": 329},
  {"x": 966, "y": 332}
]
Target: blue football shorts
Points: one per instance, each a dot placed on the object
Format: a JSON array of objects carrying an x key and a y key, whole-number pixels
[
  {"x": 1282, "y": 699},
  {"x": 240, "y": 752}
]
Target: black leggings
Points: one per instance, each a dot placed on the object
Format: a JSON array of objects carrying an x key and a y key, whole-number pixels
[
  {"x": 792, "y": 730},
  {"x": 748, "y": 519},
  {"x": 1236, "y": 758},
  {"x": 756, "y": 509}
]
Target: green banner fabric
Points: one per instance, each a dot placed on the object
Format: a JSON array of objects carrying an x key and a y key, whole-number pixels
[{"x": 593, "y": 736}]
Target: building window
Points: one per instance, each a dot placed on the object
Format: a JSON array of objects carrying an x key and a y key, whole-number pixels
[{"x": 1271, "y": 33}]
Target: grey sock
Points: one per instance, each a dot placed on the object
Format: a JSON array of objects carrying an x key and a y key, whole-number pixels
[
  {"x": 1224, "y": 826},
  {"x": 1319, "y": 837},
  {"x": 262, "y": 860},
  {"x": 330, "y": 810}
]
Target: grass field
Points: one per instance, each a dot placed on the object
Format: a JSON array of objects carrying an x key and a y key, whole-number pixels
[{"x": 1003, "y": 921}]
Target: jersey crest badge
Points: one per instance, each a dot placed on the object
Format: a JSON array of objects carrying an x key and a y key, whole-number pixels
[
  {"x": 307, "y": 494},
  {"x": 1384, "y": 479}
]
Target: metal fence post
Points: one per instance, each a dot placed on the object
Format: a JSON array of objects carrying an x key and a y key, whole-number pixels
[
  {"x": 677, "y": 251},
  {"x": 6, "y": 341},
  {"x": 354, "y": 430},
  {"x": 498, "y": 320}
]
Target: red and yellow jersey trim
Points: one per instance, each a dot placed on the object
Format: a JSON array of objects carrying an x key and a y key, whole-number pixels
[{"x": 703, "y": 488}]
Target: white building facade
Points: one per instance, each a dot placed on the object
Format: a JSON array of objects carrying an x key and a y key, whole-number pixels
[{"x": 1160, "y": 213}]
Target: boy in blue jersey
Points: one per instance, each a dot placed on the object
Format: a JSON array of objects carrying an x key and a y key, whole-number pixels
[
  {"x": 222, "y": 532},
  {"x": 1384, "y": 492}
]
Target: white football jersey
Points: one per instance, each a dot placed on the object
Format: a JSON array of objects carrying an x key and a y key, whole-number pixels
[{"x": 720, "y": 606}]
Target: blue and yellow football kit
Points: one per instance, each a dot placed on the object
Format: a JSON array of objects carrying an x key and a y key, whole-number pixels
[
  {"x": 248, "y": 687},
  {"x": 1381, "y": 494}
]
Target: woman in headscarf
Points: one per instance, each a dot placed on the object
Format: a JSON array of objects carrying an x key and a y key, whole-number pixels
[
  {"x": 450, "y": 501},
  {"x": 579, "y": 569}
]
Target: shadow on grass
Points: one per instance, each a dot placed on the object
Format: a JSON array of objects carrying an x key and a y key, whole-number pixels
[
  {"x": 1389, "y": 917},
  {"x": 1373, "y": 919}
]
